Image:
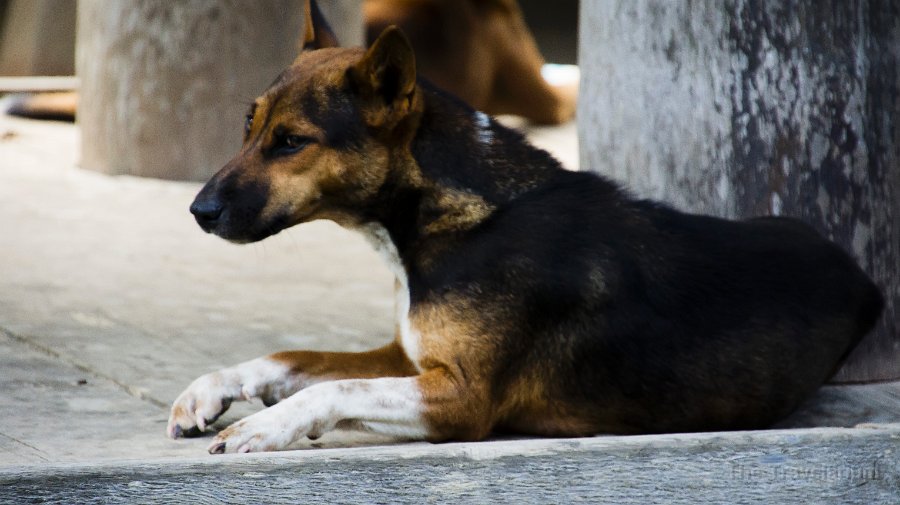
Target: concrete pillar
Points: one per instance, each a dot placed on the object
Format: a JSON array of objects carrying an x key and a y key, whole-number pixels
[
  {"x": 37, "y": 37},
  {"x": 753, "y": 107},
  {"x": 165, "y": 84},
  {"x": 346, "y": 19}
]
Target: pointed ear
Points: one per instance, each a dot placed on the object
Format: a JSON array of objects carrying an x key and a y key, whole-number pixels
[
  {"x": 386, "y": 75},
  {"x": 316, "y": 32}
]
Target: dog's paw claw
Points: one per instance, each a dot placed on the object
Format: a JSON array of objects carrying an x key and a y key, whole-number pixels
[
  {"x": 200, "y": 405},
  {"x": 176, "y": 432},
  {"x": 192, "y": 432},
  {"x": 217, "y": 448}
]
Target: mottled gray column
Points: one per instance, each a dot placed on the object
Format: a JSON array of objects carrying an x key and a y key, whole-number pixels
[
  {"x": 346, "y": 19},
  {"x": 743, "y": 108},
  {"x": 37, "y": 37},
  {"x": 165, "y": 85}
]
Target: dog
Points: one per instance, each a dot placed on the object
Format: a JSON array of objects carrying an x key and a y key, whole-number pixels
[{"x": 530, "y": 299}]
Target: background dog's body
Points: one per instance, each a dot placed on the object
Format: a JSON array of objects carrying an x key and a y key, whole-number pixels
[
  {"x": 530, "y": 298},
  {"x": 480, "y": 50}
]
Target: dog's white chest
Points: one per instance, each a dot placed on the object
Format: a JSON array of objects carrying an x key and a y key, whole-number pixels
[
  {"x": 380, "y": 239},
  {"x": 410, "y": 339}
]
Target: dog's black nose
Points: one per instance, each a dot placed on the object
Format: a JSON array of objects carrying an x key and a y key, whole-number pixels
[{"x": 207, "y": 212}]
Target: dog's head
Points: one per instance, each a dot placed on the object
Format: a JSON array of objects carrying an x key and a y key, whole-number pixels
[{"x": 319, "y": 142}]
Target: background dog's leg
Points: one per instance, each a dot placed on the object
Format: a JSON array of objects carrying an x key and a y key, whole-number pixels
[
  {"x": 275, "y": 377},
  {"x": 519, "y": 87}
]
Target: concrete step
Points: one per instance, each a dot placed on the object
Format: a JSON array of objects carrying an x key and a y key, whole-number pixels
[{"x": 823, "y": 465}]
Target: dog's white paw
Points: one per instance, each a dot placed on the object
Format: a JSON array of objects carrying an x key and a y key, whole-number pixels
[
  {"x": 388, "y": 405},
  {"x": 202, "y": 403},
  {"x": 272, "y": 429}
]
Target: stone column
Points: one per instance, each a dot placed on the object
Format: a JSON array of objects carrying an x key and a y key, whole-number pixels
[
  {"x": 37, "y": 37},
  {"x": 165, "y": 84},
  {"x": 742, "y": 108},
  {"x": 346, "y": 19}
]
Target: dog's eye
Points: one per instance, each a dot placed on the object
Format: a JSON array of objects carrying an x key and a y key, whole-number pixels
[
  {"x": 248, "y": 123},
  {"x": 295, "y": 142},
  {"x": 290, "y": 144}
]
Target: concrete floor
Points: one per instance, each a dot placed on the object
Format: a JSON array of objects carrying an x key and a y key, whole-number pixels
[{"x": 112, "y": 301}]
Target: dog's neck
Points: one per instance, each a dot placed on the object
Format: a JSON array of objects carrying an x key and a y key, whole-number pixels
[
  {"x": 461, "y": 167},
  {"x": 463, "y": 149}
]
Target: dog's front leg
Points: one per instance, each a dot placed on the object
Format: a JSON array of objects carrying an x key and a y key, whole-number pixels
[
  {"x": 386, "y": 405},
  {"x": 275, "y": 377},
  {"x": 430, "y": 406}
]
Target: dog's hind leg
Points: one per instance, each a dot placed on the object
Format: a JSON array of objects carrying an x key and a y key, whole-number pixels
[{"x": 275, "y": 377}]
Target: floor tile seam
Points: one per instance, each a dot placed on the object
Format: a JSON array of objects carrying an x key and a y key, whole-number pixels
[{"x": 33, "y": 344}]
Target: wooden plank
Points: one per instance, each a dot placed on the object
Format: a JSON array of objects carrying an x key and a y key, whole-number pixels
[
  {"x": 38, "y": 83},
  {"x": 847, "y": 466}
]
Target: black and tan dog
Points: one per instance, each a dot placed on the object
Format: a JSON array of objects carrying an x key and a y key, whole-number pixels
[{"x": 529, "y": 298}]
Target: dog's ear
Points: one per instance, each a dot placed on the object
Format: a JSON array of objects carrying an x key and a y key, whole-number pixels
[
  {"x": 386, "y": 76},
  {"x": 317, "y": 34}
]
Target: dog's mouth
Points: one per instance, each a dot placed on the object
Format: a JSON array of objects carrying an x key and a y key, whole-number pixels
[
  {"x": 245, "y": 231},
  {"x": 244, "y": 226},
  {"x": 248, "y": 213}
]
